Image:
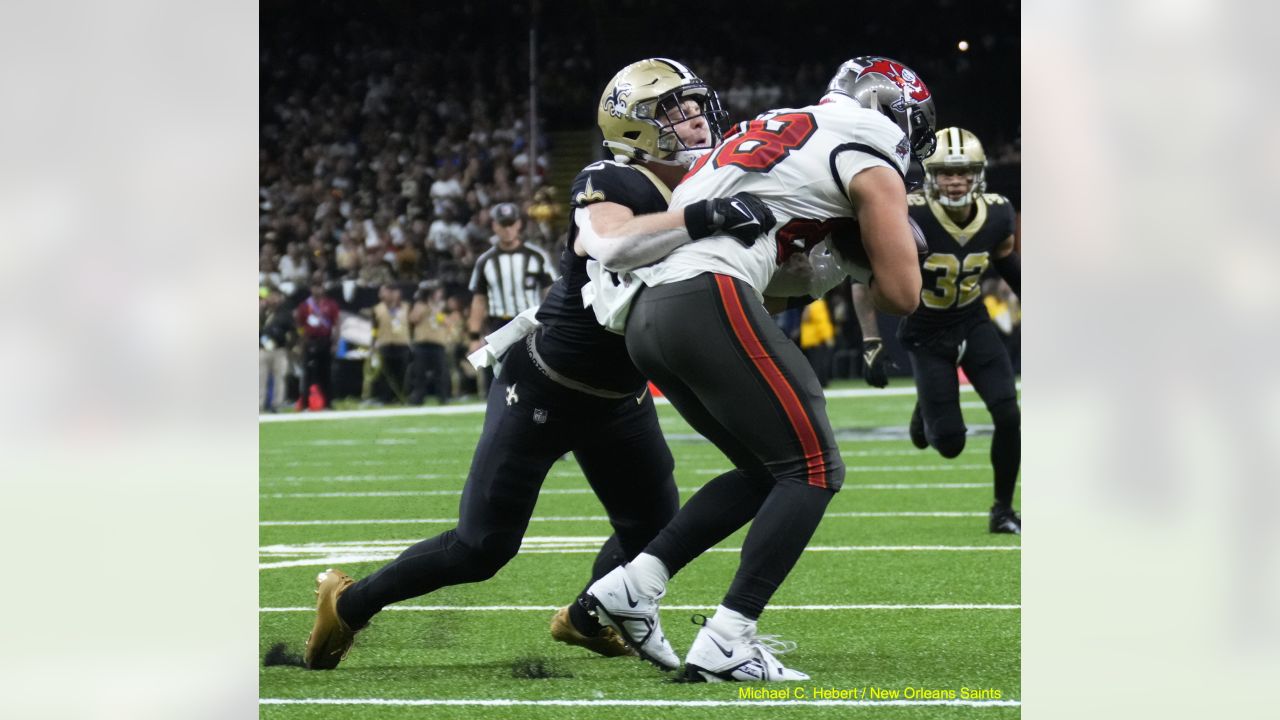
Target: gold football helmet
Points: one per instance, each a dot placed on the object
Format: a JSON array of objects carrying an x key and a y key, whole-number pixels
[
  {"x": 642, "y": 105},
  {"x": 958, "y": 151}
]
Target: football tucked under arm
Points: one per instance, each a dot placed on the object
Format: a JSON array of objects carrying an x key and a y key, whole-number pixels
[{"x": 846, "y": 242}]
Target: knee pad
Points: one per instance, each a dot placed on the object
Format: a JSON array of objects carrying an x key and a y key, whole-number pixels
[
  {"x": 948, "y": 446},
  {"x": 1006, "y": 414}
]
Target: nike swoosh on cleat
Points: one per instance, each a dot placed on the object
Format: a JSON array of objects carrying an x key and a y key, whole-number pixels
[
  {"x": 727, "y": 653},
  {"x": 630, "y": 601}
]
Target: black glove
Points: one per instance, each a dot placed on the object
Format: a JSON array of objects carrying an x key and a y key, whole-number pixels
[
  {"x": 743, "y": 216},
  {"x": 875, "y": 364}
]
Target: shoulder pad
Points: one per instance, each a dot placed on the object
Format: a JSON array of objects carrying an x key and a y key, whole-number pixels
[{"x": 600, "y": 181}]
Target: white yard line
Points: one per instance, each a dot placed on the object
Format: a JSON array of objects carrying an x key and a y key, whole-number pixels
[
  {"x": 587, "y": 491},
  {"x": 333, "y": 554},
  {"x": 803, "y": 702},
  {"x": 597, "y": 518},
  {"x": 672, "y": 608}
]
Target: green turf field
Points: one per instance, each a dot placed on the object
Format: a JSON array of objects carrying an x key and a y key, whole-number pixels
[{"x": 904, "y": 540}]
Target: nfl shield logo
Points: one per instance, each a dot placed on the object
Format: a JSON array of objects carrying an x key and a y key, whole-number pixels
[{"x": 539, "y": 416}]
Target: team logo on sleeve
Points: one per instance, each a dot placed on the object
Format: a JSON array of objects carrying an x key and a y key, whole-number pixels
[
  {"x": 616, "y": 103},
  {"x": 588, "y": 195},
  {"x": 904, "y": 147}
]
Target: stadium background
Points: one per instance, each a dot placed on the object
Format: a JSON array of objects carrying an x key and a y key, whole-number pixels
[{"x": 388, "y": 129}]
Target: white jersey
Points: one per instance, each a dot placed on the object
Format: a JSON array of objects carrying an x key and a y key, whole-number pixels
[{"x": 799, "y": 162}]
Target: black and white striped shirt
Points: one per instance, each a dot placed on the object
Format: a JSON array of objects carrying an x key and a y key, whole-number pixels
[{"x": 514, "y": 280}]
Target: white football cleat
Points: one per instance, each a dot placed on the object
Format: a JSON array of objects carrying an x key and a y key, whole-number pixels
[
  {"x": 748, "y": 658},
  {"x": 617, "y": 603}
]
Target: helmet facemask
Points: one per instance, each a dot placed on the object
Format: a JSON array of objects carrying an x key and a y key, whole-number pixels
[
  {"x": 669, "y": 114},
  {"x": 977, "y": 184}
]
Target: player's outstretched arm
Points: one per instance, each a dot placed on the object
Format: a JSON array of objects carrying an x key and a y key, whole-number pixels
[
  {"x": 875, "y": 364},
  {"x": 880, "y": 200}
]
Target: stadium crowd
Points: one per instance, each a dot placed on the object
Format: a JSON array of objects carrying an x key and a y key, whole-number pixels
[{"x": 383, "y": 152}]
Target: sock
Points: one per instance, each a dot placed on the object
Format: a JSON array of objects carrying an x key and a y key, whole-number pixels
[
  {"x": 649, "y": 575},
  {"x": 731, "y": 623}
]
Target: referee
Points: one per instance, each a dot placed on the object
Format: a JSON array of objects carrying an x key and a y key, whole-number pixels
[{"x": 508, "y": 279}]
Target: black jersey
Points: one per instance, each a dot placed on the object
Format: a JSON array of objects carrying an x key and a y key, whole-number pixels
[
  {"x": 572, "y": 342},
  {"x": 951, "y": 296}
]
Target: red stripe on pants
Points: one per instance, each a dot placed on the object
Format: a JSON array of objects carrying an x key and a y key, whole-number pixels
[{"x": 782, "y": 390}]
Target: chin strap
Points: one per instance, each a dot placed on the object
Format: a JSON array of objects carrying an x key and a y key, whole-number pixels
[{"x": 965, "y": 201}]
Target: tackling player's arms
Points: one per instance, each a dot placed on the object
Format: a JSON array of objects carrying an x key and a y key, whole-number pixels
[
  {"x": 621, "y": 240},
  {"x": 880, "y": 200}
]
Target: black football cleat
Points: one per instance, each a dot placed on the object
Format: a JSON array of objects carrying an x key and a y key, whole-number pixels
[
  {"x": 916, "y": 429},
  {"x": 1004, "y": 520}
]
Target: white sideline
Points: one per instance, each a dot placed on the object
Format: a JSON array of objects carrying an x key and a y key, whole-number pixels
[
  {"x": 673, "y": 608},
  {"x": 640, "y": 703},
  {"x": 588, "y": 491},
  {"x": 479, "y": 407},
  {"x": 600, "y": 518}
]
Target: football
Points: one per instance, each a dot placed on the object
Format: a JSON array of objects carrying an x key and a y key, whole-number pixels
[{"x": 846, "y": 238}]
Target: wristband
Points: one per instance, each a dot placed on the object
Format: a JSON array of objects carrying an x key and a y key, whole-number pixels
[{"x": 696, "y": 220}]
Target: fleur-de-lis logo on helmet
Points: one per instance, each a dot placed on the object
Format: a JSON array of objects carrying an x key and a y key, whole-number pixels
[{"x": 616, "y": 104}]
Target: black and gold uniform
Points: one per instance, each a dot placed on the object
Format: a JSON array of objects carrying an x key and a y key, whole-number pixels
[
  {"x": 569, "y": 387},
  {"x": 951, "y": 328}
]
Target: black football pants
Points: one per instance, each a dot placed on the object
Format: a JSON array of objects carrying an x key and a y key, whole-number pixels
[
  {"x": 531, "y": 422},
  {"x": 711, "y": 347},
  {"x": 986, "y": 363}
]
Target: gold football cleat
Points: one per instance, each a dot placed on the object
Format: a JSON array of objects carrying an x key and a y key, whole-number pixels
[
  {"x": 607, "y": 643},
  {"x": 330, "y": 638}
]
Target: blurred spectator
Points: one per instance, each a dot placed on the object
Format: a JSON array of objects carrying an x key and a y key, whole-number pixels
[
  {"x": 818, "y": 339},
  {"x": 446, "y": 191},
  {"x": 317, "y": 316},
  {"x": 276, "y": 334},
  {"x": 446, "y": 231},
  {"x": 294, "y": 266},
  {"x": 350, "y": 256},
  {"x": 434, "y": 329},
  {"x": 376, "y": 271},
  {"x": 544, "y": 211},
  {"x": 391, "y": 341}
]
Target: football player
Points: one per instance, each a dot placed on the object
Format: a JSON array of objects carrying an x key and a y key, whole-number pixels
[
  {"x": 695, "y": 324},
  {"x": 568, "y": 385},
  {"x": 967, "y": 230}
]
